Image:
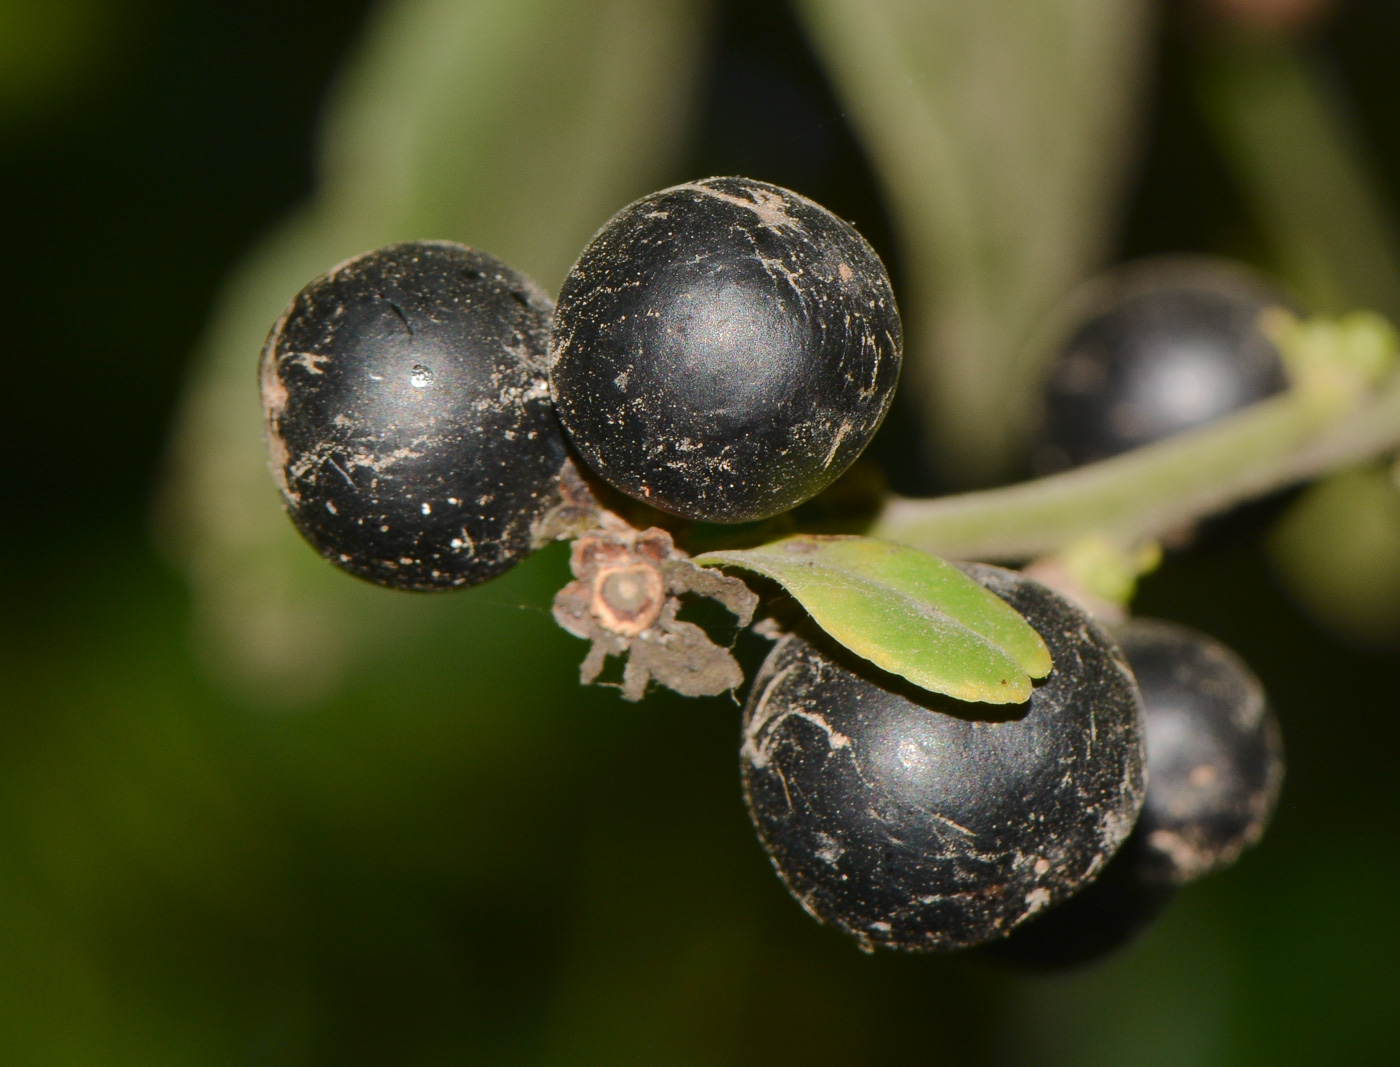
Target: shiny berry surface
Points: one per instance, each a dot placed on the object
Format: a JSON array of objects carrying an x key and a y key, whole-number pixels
[
  {"x": 918, "y": 822},
  {"x": 725, "y": 349},
  {"x": 408, "y": 419}
]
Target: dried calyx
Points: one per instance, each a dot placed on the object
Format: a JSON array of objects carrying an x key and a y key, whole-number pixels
[{"x": 625, "y": 598}]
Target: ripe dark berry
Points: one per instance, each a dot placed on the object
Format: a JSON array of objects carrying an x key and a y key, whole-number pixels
[
  {"x": 1159, "y": 346},
  {"x": 723, "y": 350},
  {"x": 916, "y": 822},
  {"x": 1214, "y": 750},
  {"x": 409, "y": 425},
  {"x": 1215, "y": 764}
]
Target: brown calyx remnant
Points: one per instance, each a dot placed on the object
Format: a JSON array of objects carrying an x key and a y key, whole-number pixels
[
  {"x": 628, "y": 600},
  {"x": 625, "y": 597}
]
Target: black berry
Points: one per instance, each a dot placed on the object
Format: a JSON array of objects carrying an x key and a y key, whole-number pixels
[
  {"x": 916, "y": 822},
  {"x": 409, "y": 424},
  {"x": 723, "y": 350},
  {"x": 1214, "y": 750},
  {"x": 1159, "y": 346},
  {"x": 1215, "y": 764}
]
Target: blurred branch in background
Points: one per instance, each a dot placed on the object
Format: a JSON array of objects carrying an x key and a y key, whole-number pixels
[
  {"x": 514, "y": 125},
  {"x": 1270, "y": 16},
  {"x": 1287, "y": 136},
  {"x": 1001, "y": 132}
]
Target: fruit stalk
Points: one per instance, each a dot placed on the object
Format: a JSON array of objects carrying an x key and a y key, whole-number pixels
[{"x": 1158, "y": 489}]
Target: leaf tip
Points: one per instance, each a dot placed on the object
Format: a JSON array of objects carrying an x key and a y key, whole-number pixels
[{"x": 1038, "y": 662}]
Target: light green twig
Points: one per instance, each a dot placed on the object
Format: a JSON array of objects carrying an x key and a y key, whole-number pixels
[{"x": 1155, "y": 490}]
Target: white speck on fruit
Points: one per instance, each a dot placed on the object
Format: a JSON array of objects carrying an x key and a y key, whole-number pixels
[
  {"x": 310, "y": 360},
  {"x": 770, "y": 208},
  {"x": 830, "y": 849}
]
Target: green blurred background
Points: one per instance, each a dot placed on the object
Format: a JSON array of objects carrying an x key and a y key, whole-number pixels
[{"x": 254, "y": 812}]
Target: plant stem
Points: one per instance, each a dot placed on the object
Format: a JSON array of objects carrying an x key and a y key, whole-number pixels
[{"x": 1151, "y": 492}]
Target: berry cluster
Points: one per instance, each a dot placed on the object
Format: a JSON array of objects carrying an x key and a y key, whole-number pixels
[
  {"x": 1147, "y": 759},
  {"x": 722, "y": 351}
]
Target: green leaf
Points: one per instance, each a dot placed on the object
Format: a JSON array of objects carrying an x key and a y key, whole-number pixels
[{"x": 907, "y": 612}]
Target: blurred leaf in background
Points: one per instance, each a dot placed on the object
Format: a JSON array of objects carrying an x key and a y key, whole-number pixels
[
  {"x": 1338, "y": 552},
  {"x": 1287, "y": 132}
]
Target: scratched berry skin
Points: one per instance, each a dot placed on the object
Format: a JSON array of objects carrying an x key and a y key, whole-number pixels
[
  {"x": 1215, "y": 766},
  {"x": 1214, "y": 751},
  {"x": 724, "y": 349},
  {"x": 917, "y": 822},
  {"x": 408, "y": 420}
]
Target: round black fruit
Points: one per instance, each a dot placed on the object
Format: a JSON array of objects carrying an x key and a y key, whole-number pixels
[
  {"x": 1214, "y": 751},
  {"x": 723, "y": 350},
  {"x": 409, "y": 424},
  {"x": 919, "y": 822},
  {"x": 1214, "y": 762},
  {"x": 1157, "y": 347}
]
